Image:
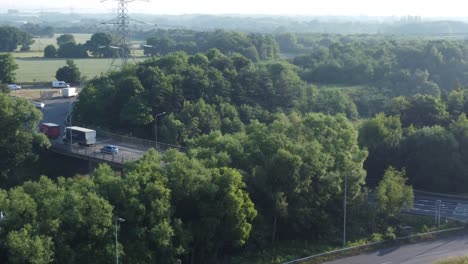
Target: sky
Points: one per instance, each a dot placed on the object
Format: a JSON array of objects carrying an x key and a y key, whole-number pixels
[{"x": 427, "y": 8}]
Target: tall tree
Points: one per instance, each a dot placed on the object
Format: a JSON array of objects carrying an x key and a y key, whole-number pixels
[
  {"x": 393, "y": 195},
  {"x": 69, "y": 73},
  {"x": 8, "y": 67},
  {"x": 50, "y": 51},
  {"x": 16, "y": 143}
]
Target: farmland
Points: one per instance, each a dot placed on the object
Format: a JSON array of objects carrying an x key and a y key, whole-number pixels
[{"x": 34, "y": 68}]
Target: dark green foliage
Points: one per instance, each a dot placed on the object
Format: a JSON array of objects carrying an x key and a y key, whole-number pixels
[
  {"x": 69, "y": 73},
  {"x": 50, "y": 51},
  {"x": 99, "y": 45},
  {"x": 11, "y": 37},
  {"x": 8, "y": 67},
  {"x": 64, "y": 39},
  {"x": 253, "y": 46},
  {"x": 201, "y": 93},
  {"x": 404, "y": 67},
  {"x": 433, "y": 161},
  {"x": 20, "y": 119},
  {"x": 289, "y": 165}
]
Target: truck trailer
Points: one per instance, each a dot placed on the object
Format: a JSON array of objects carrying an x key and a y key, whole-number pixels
[
  {"x": 51, "y": 130},
  {"x": 80, "y": 135},
  {"x": 69, "y": 92}
]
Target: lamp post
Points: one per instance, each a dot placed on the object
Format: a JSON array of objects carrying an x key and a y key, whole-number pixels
[
  {"x": 344, "y": 208},
  {"x": 117, "y": 221},
  {"x": 70, "y": 130},
  {"x": 156, "y": 128}
]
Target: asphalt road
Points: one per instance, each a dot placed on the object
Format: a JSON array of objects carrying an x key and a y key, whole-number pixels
[
  {"x": 57, "y": 109},
  {"x": 452, "y": 207},
  {"x": 421, "y": 253}
]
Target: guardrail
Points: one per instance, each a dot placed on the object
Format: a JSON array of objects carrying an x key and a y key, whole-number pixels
[
  {"x": 369, "y": 245},
  {"x": 95, "y": 153},
  {"x": 161, "y": 147}
]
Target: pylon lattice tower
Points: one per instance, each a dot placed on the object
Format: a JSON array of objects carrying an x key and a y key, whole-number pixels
[{"x": 121, "y": 30}]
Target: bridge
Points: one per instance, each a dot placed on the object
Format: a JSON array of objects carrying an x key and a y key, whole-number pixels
[{"x": 130, "y": 148}]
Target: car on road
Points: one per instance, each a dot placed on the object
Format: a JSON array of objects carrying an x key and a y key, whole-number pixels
[
  {"x": 39, "y": 104},
  {"x": 14, "y": 86},
  {"x": 110, "y": 149}
]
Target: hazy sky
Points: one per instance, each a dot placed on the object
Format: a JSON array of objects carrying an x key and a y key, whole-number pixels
[{"x": 456, "y": 8}]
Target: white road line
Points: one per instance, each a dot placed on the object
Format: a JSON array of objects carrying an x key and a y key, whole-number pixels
[
  {"x": 433, "y": 253},
  {"x": 386, "y": 263}
]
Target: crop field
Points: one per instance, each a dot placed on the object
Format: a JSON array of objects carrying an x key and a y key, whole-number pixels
[{"x": 36, "y": 70}]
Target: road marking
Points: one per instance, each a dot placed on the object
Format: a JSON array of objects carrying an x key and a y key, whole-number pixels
[
  {"x": 387, "y": 263},
  {"x": 433, "y": 253}
]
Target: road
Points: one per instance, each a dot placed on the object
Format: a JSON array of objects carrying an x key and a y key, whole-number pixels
[
  {"x": 452, "y": 207},
  {"x": 56, "y": 110},
  {"x": 421, "y": 253}
]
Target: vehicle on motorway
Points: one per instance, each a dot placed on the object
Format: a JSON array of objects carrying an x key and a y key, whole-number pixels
[
  {"x": 69, "y": 92},
  {"x": 110, "y": 149},
  {"x": 38, "y": 104},
  {"x": 60, "y": 84},
  {"x": 82, "y": 136},
  {"x": 14, "y": 86},
  {"x": 51, "y": 130}
]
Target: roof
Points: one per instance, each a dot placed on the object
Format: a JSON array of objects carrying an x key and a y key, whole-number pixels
[
  {"x": 50, "y": 124},
  {"x": 81, "y": 129}
]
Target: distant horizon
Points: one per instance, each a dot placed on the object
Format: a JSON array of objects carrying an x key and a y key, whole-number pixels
[
  {"x": 85, "y": 11},
  {"x": 338, "y": 8}
]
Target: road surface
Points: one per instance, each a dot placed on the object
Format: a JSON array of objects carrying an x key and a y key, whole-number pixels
[
  {"x": 421, "y": 253},
  {"x": 57, "y": 109},
  {"x": 452, "y": 207}
]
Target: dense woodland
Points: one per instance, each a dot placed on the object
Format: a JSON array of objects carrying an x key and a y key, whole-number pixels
[{"x": 269, "y": 143}]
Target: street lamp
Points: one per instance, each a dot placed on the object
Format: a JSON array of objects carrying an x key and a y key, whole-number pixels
[
  {"x": 117, "y": 221},
  {"x": 344, "y": 208},
  {"x": 156, "y": 128},
  {"x": 70, "y": 130}
]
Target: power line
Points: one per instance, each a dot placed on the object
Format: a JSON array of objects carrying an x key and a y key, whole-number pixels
[{"x": 121, "y": 24}]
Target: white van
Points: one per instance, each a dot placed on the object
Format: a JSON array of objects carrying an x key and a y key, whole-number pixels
[{"x": 60, "y": 84}]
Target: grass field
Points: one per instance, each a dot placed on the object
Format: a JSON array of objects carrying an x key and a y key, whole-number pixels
[
  {"x": 36, "y": 70},
  {"x": 41, "y": 43}
]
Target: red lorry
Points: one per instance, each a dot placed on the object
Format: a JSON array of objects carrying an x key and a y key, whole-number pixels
[{"x": 51, "y": 130}]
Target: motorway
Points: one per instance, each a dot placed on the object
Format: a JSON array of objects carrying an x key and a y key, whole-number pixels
[
  {"x": 452, "y": 207},
  {"x": 421, "y": 253},
  {"x": 56, "y": 110}
]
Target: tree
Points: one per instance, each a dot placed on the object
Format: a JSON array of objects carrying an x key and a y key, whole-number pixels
[
  {"x": 69, "y": 73},
  {"x": 11, "y": 37},
  {"x": 439, "y": 146},
  {"x": 8, "y": 67},
  {"x": 142, "y": 198},
  {"x": 71, "y": 50},
  {"x": 50, "y": 51},
  {"x": 381, "y": 136},
  {"x": 392, "y": 194},
  {"x": 63, "y": 221},
  {"x": 99, "y": 45},
  {"x": 65, "y": 38},
  {"x": 4, "y": 88},
  {"x": 16, "y": 143}
]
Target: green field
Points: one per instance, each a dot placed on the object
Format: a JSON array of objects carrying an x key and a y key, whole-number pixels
[
  {"x": 40, "y": 43},
  {"x": 34, "y": 70}
]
